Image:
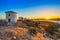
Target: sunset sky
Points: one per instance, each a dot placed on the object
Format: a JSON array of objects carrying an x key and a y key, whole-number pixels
[{"x": 31, "y": 8}]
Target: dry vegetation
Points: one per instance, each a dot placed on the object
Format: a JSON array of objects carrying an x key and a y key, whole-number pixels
[{"x": 25, "y": 30}]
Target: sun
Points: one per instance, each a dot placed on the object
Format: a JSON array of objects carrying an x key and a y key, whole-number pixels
[{"x": 47, "y": 17}]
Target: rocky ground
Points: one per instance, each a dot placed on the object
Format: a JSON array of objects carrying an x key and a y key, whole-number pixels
[{"x": 20, "y": 31}]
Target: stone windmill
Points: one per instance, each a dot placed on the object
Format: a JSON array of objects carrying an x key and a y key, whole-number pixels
[{"x": 11, "y": 16}]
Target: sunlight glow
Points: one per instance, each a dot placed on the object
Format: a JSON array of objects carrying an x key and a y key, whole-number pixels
[{"x": 47, "y": 17}]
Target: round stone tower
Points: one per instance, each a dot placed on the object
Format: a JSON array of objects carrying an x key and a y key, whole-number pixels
[{"x": 11, "y": 16}]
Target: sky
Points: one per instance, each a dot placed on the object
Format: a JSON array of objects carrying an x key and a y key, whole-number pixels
[{"x": 31, "y": 9}]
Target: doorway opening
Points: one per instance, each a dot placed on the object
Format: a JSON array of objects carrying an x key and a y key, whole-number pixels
[{"x": 9, "y": 20}]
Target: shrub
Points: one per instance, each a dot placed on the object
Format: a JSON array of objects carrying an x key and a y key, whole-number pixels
[
  {"x": 32, "y": 31},
  {"x": 52, "y": 29}
]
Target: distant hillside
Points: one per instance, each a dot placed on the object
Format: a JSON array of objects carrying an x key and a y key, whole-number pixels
[
  {"x": 56, "y": 19},
  {"x": 48, "y": 19}
]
